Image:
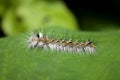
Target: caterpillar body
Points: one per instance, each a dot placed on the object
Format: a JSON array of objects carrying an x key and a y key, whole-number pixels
[{"x": 44, "y": 42}]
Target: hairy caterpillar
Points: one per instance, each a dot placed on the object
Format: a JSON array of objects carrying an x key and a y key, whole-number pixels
[{"x": 44, "y": 42}]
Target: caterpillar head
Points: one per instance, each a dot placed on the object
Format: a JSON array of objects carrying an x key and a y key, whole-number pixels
[{"x": 34, "y": 39}]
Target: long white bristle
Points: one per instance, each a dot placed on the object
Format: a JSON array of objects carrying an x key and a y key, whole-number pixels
[{"x": 40, "y": 35}]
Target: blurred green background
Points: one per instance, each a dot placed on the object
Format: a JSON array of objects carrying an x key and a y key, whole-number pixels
[{"x": 17, "y": 16}]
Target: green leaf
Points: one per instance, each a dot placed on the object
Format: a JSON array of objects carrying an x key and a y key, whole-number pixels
[{"x": 19, "y": 63}]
